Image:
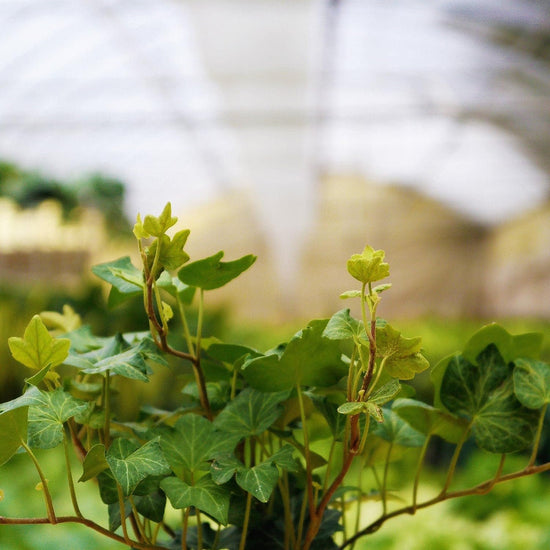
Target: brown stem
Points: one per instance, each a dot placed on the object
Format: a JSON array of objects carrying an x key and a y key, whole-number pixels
[
  {"x": 481, "y": 489},
  {"x": 163, "y": 344},
  {"x": 83, "y": 521}
]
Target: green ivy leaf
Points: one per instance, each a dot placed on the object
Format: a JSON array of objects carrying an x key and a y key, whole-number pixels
[
  {"x": 352, "y": 407},
  {"x": 171, "y": 256},
  {"x": 94, "y": 463},
  {"x": 484, "y": 394},
  {"x": 151, "y": 506},
  {"x": 230, "y": 353},
  {"x": 259, "y": 480},
  {"x": 205, "y": 495},
  {"x": 511, "y": 347},
  {"x": 532, "y": 383},
  {"x": 47, "y": 414},
  {"x": 329, "y": 409},
  {"x": 385, "y": 393},
  {"x": 402, "y": 357},
  {"x": 157, "y": 226},
  {"x": 116, "y": 357},
  {"x": 308, "y": 359},
  {"x": 429, "y": 420},
  {"x": 210, "y": 273},
  {"x": 397, "y": 432},
  {"x": 342, "y": 326},
  {"x": 13, "y": 432},
  {"x": 82, "y": 340},
  {"x": 368, "y": 266},
  {"x": 37, "y": 349},
  {"x": 130, "y": 465},
  {"x": 250, "y": 413},
  {"x": 126, "y": 279},
  {"x": 176, "y": 288},
  {"x": 193, "y": 442}
]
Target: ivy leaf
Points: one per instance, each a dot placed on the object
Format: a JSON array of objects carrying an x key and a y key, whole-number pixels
[
  {"x": 342, "y": 326},
  {"x": 368, "y": 266},
  {"x": 210, "y": 273},
  {"x": 171, "y": 255},
  {"x": 117, "y": 357},
  {"x": 176, "y": 288},
  {"x": 308, "y": 359},
  {"x": 429, "y": 420},
  {"x": 402, "y": 357},
  {"x": 385, "y": 393},
  {"x": 532, "y": 383},
  {"x": 230, "y": 353},
  {"x": 94, "y": 462},
  {"x": 259, "y": 480},
  {"x": 329, "y": 410},
  {"x": 82, "y": 340},
  {"x": 151, "y": 506},
  {"x": 205, "y": 495},
  {"x": 130, "y": 465},
  {"x": 125, "y": 278},
  {"x": 192, "y": 443},
  {"x": 47, "y": 414},
  {"x": 397, "y": 432},
  {"x": 510, "y": 347},
  {"x": 13, "y": 431},
  {"x": 67, "y": 321},
  {"x": 157, "y": 226},
  {"x": 37, "y": 349},
  {"x": 250, "y": 413},
  {"x": 31, "y": 397},
  {"x": 484, "y": 394}
]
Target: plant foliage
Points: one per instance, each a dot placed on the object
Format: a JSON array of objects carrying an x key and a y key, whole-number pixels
[{"x": 260, "y": 453}]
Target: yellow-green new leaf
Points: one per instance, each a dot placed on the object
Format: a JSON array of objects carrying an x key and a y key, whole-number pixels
[
  {"x": 38, "y": 349},
  {"x": 157, "y": 226},
  {"x": 369, "y": 266}
]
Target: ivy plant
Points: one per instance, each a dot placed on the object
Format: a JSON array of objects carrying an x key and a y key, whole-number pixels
[{"x": 266, "y": 446}]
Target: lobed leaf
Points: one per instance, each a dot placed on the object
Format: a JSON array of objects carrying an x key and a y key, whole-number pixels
[
  {"x": 429, "y": 420},
  {"x": 125, "y": 278},
  {"x": 38, "y": 349},
  {"x": 193, "y": 442},
  {"x": 484, "y": 394},
  {"x": 205, "y": 495},
  {"x": 210, "y": 273},
  {"x": 308, "y": 359},
  {"x": 342, "y": 326},
  {"x": 94, "y": 462},
  {"x": 250, "y": 413},
  {"x": 157, "y": 226},
  {"x": 47, "y": 414},
  {"x": 130, "y": 465},
  {"x": 532, "y": 383},
  {"x": 368, "y": 266},
  {"x": 398, "y": 432},
  {"x": 511, "y": 347}
]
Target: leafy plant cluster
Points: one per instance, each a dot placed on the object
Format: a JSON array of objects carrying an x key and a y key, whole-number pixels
[{"x": 267, "y": 449}]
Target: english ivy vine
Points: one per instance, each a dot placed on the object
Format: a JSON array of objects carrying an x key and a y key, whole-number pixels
[{"x": 260, "y": 453}]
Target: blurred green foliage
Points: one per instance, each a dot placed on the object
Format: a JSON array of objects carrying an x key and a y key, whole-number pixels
[{"x": 29, "y": 188}]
